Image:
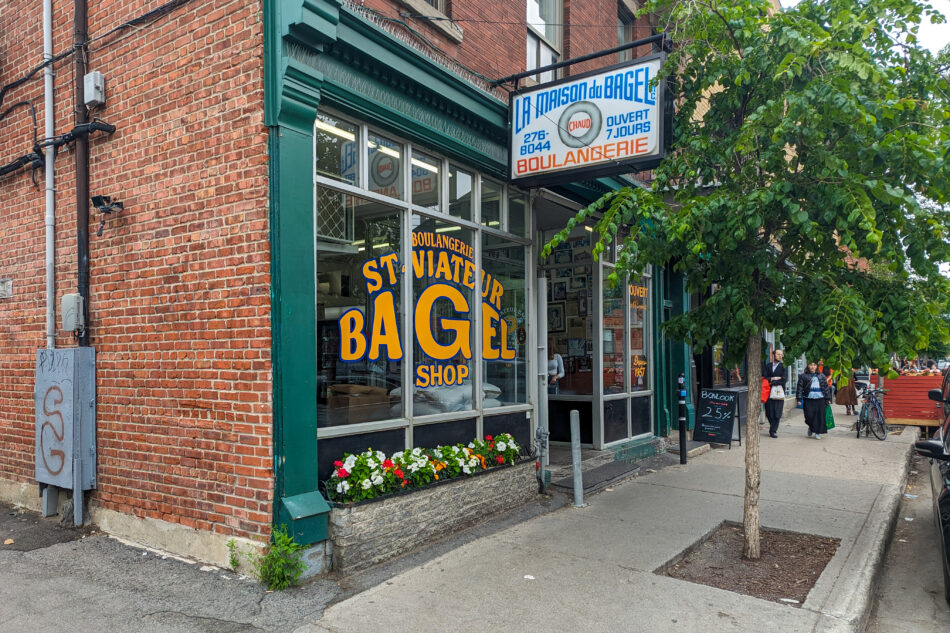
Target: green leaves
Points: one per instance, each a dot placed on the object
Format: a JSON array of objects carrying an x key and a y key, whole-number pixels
[{"x": 807, "y": 144}]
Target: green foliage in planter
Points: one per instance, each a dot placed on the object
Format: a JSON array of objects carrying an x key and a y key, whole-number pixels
[{"x": 371, "y": 474}]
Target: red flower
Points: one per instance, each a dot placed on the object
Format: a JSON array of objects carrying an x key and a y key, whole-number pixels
[
  {"x": 338, "y": 464},
  {"x": 388, "y": 463},
  {"x": 501, "y": 459},
  {"x": 492, "y": 446},
  {"x": 341, "y": 473},
  {"x": 398, "y": 473},
  {"x": 488, "y": 437}
]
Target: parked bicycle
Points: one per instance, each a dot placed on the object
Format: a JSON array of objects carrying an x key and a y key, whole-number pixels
[{"x": 871, "y": 417}]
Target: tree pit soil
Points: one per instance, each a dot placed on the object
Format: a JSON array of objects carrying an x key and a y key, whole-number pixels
[{"x": 787, "y": 570}]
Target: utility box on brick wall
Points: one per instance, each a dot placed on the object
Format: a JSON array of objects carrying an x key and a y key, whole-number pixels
[{"x": 65, "y": 399}]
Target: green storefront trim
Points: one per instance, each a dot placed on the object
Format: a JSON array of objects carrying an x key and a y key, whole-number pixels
[{"x": 319, "y": 54}]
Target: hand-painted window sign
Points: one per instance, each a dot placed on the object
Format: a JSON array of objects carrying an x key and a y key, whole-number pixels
[
  {"x": 445, "y": 264},
  {"x": 607, "y": 121}
]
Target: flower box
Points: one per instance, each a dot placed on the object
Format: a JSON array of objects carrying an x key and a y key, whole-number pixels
[{"x": 369, "y": 532}]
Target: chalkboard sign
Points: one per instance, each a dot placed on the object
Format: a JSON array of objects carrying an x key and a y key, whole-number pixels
[{"x": 716, "y": 416}]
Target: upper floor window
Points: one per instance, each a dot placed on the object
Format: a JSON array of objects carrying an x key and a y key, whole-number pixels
[
  {"x": 438, "y": 5},
  {"x": 545, "y": 35},
  {"x": 625, "y": 28}
]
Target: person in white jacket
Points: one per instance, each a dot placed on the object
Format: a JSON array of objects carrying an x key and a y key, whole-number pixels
[{"x": 555, "y": 368}]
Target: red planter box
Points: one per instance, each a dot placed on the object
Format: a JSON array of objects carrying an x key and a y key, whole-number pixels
[{"x": 906, "y": 402}]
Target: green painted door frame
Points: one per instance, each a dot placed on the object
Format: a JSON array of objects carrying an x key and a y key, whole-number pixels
[{"x": 672, "y": 357}]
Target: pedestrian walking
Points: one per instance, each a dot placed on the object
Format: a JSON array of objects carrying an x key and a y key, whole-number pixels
[
  {"x": 814, "y": 394},
  {"x": 774, "y": 372},
  {"x": 848, "y": 396}
]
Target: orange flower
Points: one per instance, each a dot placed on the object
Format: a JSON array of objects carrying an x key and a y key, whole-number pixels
[{"x": 436, "y": 477}]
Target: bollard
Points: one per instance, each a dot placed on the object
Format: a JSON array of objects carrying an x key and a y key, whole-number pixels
[
  {"x": 576, "y": 458},
  {"x": 681, "y": 386}
]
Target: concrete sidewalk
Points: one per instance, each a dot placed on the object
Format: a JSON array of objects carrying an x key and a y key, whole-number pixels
[{"x": 592, "y": 568}]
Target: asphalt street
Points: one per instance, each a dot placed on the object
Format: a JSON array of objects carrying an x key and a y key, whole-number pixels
[{"x": 910, "y": 594}]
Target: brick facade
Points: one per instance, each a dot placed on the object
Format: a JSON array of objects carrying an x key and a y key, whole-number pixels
[
  {"x": 180, "y": 284},
  {"x": 179, "y": 281}
]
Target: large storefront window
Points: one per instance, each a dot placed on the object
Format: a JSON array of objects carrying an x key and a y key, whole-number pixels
[
  {"x": 358, "y": 292},
  {"x": 504, "y": 323},
  {"x": 613, "y": 340},
  {"x": 443, "y": 273},
  {"x": 390, "y": 217}
]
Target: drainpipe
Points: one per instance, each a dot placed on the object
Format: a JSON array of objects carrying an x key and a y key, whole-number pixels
[
  {"x": 49, "y": 132},
  {"x": 80, "y": 19}
]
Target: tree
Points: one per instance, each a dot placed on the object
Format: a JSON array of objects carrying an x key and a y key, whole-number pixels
[{"x": 806, "y": 183}]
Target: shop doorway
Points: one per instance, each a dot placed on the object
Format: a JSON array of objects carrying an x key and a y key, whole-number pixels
[{"x": 600, "y": 333}]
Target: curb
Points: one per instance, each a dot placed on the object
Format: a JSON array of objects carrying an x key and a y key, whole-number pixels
[{"x": 848, "y": 605}]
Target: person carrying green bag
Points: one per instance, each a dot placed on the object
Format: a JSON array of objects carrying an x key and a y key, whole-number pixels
[{"x": 829, "y": 418}]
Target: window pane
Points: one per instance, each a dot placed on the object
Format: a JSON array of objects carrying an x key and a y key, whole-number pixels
[
  {"x": 613, "y": 337},
  {"x": 337, "y": 157},
  {"x": 460, "y": 193},
  {"x": 443, "y": 287},
  {"x": 532, "y": 52},
  {"x": 504, "y": 323},
  {"x": 491, "y": 204},
  {"x": 358, "y": 293},
  {"x": 547, "y": 57},
  {"x": 544, "y": 17},
  {"x": 639, "y": 304},
  {"x": 426, "y": 181},
  {"x": 385, "y": 166},
  {"x": 517, "y": 207}
]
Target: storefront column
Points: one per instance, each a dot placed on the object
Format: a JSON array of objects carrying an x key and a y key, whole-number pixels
[{"x": 292, "y": 93}]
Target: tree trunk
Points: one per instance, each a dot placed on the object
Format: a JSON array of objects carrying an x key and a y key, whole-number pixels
[{"x": 753, "y": 469}]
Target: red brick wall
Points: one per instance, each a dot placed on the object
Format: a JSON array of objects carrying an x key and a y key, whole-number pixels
[
  {"x": 179, "y": 306},
  {"x": 493, "y": 41},
  {"x": 494, "y": 35}
]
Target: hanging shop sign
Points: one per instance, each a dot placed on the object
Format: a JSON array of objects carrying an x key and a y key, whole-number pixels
[
  {"x": 442, "y": 319},
  {"x": 610, "y": 121}
]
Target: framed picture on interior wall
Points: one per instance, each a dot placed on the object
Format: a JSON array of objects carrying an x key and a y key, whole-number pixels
[
  {"x": 580, "y": 270},
  {"x": 578, "y": 283},
  {"x": 572, "y": 306},
  {"x": 562, "y": 257},
  {"x": 556, "y": 319},
  {"x": 582, "y": 255},
  {"x": 559, "y": 291},
  {"x": 582, "y": 304},
  {"x": 562, "y": 273}
]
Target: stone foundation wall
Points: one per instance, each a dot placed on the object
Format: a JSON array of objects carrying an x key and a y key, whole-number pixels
[{"x": 370, "y": 533}]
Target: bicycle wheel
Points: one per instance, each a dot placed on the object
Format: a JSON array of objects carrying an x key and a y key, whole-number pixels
[
  {"x": 862, "y": 418},
  {"x": 877, "y": 423}
]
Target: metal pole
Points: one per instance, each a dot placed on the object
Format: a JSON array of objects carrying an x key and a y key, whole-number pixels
[
  {"x": 681, "y": 386},
  {"x": 82, "y": 165},
  {"x": 576, "y": 458},
  {"x": 659, "y": 38}
]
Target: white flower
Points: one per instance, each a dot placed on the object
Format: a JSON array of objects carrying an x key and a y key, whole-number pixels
[
  {"x": 380, "y": 456},
  {"x": 343, "y": 486},
  {"x": 367, "y": 484},
  {"x": 437, "y": 453},
  {"x": 417, "y": 451},
  {"x": 471, "y": 445},
  {"x": 371, "y": 463},
  {"x": 501, "y": 446},
  {"x": 377, "y": 480},
  {"x": 466, "y": 470},
  {"x": 350, "y": 462}
]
